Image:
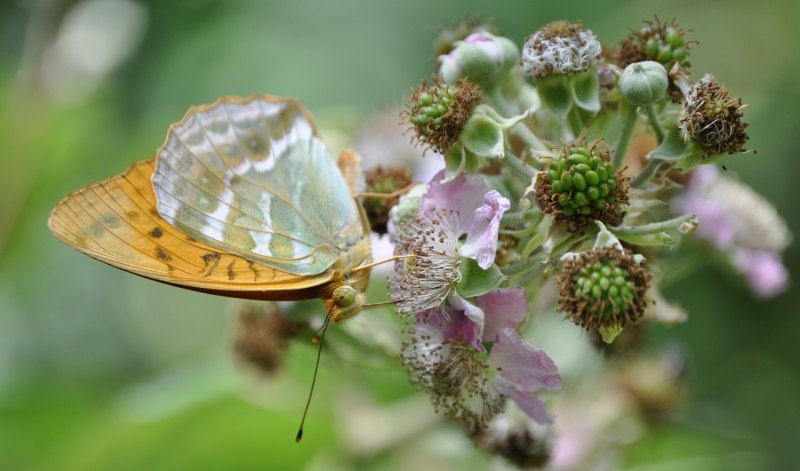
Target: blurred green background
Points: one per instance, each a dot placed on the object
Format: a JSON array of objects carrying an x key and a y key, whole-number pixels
[{"x": 103, "y": 370}]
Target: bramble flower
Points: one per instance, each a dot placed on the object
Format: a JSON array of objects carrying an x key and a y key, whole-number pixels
[
  {"x": 581, "y": 186},
  {"x": 447, "y": 211},
  {"x": 740, "y": 222},
  {"x": 481, "y": 57},
  {"x": 713, "y": 118},
  {"x": 560, "y": 48},
  {"x": 446, "y": 357},
  {"x": 438, "y": 112},
  {"x": 660, "y": 42}
]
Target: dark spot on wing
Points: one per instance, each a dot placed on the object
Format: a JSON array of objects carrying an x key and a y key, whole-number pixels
[
  {"x": 231, "y": 273},
  {"x": 190, "y": 239},
  {"x": 252, "y": 267},
  {"x": 132, "y": 215},
  {"x": 210, "y": 260},
  {"x": 162, "y": 254},
  {"x": 156, "y": 233},
  {"x": 154, "y": 213}
]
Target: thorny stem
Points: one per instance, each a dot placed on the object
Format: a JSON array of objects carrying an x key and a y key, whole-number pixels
[
  {"x": 651, "y": 113},
  {"x": 625, "y": 137}
]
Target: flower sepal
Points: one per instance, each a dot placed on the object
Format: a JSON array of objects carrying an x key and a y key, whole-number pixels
[
  {"x": 476, "y": 281},
  {"x": 586, "y": 90},
  {"x": 610, "y": 332},
  {"x": 557, "y": 93}
]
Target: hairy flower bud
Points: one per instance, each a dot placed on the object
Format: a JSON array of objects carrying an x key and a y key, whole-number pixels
[
  {"x": 660, "y": 42},
  {"x": 449, "y": 35},
  {"x": 560, "y": 48},
  {"x": 643, "y": 83},
  {"x": 603, "y": 287},
  {"x": 581, "y": 186},
  {"x": 481, "y": 57},
  {"x": 713, "y": 118},
  {"x": 438, "y": 112}
]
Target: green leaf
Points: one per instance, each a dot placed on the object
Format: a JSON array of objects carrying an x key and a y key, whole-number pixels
[
  {"x": 672, "y": 149},
  {"x": 483, "y": 136},
  {"x": 556, "y": 92},
  {"x": 609, "y": 333},
  {"x": 476, "y": 281},
  {"x": 586, "y": 91}
]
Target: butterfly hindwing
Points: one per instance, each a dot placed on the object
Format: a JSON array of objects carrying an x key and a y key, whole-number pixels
[
  {"x": 250, "y": 177},
  {"x": 115, "y": 221}
]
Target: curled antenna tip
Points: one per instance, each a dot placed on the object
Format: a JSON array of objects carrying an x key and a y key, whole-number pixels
[{"x": 299, "y": 436}]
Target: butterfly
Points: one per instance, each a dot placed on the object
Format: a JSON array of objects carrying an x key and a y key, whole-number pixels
[{"x": 241, "y": 200}]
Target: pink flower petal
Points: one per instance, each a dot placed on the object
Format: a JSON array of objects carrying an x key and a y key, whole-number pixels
[
  {"x": 534, "y": 407},
  {"x": 503, "y": 308},
  {"x": 481, "y": 243},
  {"x": 522, "y": 364},
  {"x": 463, "y": 195}
]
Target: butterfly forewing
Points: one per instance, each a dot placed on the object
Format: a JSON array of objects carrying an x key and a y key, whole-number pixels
[
  {"x": 251, "y": 178},
  {"x": 116, "y": 221}
]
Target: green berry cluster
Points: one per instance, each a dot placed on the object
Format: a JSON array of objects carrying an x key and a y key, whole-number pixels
[
  {"x": 607, "y": 285},
  {"x": 438, "y": 112},
  {"x": 582, "y": 185},
  {"x": 603, "y": 287}
]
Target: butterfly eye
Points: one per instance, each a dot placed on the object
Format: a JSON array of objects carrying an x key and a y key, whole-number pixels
[{"x": 344, "y": 296}]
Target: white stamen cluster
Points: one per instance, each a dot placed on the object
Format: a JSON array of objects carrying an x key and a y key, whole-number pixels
[
  {"x": 425, "y": 280},
  {"x": 455, "y": 375},
  {"x": 560, "y": 48}
]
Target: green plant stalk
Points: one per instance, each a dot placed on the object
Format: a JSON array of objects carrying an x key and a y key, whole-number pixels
[
  {"x": 625, "y": 137},
  {"x": 654, "y": 122},
  {"x": 654, "y": 227},
  {"x": 516, "y": 164}
]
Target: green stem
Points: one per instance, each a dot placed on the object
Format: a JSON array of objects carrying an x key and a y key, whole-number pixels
[
  {"x": 654, "y": 227},
  {"x": 520, "y": 216},
  {"x": 625, "y": 137},
  {"x": 499, "y": 101},
  {"x": 514, "y": 163},
  {"x": 646, "y": 174},
  {"x": 525, "y": 134},
  {"x": 654, "y": 122}
]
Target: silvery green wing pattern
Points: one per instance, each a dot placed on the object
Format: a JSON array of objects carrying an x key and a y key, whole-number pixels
[{"x": 250, "y": 177}]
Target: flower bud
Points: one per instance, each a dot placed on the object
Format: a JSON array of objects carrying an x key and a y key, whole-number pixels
[
  {"x": 603, "y": 288},
  {"x": 660, "y": 42},
  {"x": 481, "y": 57},
  {"x": 438, "y": 112},
  {"x": 581, "y": 186},
  {"x": 713, "y": 118},
  {"x": 449, "y": 35},
  {"x": 643, "y": 83}
]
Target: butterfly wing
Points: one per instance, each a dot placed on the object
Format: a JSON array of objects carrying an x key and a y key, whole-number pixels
[
  {"x": 250, "y": 177},
  {"x": 116, "y": 222}
]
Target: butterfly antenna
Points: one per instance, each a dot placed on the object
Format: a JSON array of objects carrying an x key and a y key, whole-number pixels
[
  {"x": 381, "y": 262},
  {"x": 316, "y": 339},
  {"x": 386, "y": 196}
]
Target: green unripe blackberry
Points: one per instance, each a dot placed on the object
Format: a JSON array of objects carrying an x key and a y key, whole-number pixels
[
  {"x": 581, "y": 186},
  {"x": 603, "y": 287},
  {"x": 660, "y": 42},
  {"x": 438, "y": 112}
]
